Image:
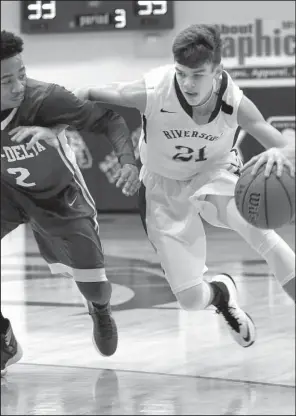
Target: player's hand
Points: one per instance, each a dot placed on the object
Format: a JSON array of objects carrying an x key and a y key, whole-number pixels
[
  {"x": 81, "y": 93},
  {"x": 128, "y": 179},
  {"x": 271, "y": 157},
  {"x": 110, "y": 166},
  {"x": 36, "y": 133}
]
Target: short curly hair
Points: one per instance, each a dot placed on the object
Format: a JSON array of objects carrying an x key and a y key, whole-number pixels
[{"x": 11, "y": 44}]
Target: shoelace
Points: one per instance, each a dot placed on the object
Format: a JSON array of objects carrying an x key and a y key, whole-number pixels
[
  {"x": 105, "y": 321},
  {"x": 229, "y": 315},
  {"x": 107, "y": 325}
]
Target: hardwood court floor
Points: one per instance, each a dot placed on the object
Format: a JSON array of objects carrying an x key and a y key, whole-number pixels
[{"x": 168, "y": 361}]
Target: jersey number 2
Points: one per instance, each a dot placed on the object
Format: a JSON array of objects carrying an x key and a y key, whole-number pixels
[
  {"x": 185, "y": 155},
  {"x": 23, "y": 174}
]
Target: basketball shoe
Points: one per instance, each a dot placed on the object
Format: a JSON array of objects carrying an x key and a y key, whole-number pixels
[
  {"x": 239, "y": 323},
  {"x": 11, "y": 351},
  {"x": 105, "y": 337}
]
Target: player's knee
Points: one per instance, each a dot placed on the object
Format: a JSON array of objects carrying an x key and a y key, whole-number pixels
[
  {"x": 192, "y": 299},
  {"x": 259, "y": 239},
  {"x": 97, "y": 292}
]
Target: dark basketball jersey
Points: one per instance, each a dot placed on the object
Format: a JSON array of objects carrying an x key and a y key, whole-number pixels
[{"x": 44, "y": 170}]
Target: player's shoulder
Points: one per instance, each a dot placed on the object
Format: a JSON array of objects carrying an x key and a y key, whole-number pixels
[
  {"x": 46, "y": 95},
  {"x": 229, "y": 98},
  {"x": 36, "y": 92},
  {"x": 52, "y": 95},
  {"x": 231, "y": 90},
  {"x": 159, "y": 75},
  {"x": 36, "y": 88},
  {"x": 33, "y": 83},
  {"x": 231, "y": 84},
  {"x": 160, "y": 71},
  {"x": 42, "y": 89}
]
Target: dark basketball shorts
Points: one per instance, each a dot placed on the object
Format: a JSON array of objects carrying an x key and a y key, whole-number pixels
[{"x": 65, "y": 228}]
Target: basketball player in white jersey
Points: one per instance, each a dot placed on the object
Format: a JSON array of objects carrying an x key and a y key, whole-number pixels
[{"x": 191, "y": 111}]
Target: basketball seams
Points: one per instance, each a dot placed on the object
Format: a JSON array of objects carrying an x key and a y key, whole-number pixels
[
  {"x": 268, "y": 214},
  {"x": 265, "y": 201},
  {"x": 288, "y": 196},
  {"x": 245, "y": 193}
]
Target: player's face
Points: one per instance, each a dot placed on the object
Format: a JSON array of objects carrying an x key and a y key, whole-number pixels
[
  {"x": 13, "y": 82},
  {"x": 196, "y": 83}
]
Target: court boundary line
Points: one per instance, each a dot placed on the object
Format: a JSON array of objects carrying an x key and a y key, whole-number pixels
[{"x": 189, "y": 376}]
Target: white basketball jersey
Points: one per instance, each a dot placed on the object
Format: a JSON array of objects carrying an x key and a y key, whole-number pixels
[{"x": 172, "y": 144}]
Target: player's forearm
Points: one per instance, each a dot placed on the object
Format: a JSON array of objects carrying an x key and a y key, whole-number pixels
[
  {"x": 107, "y": 94},
  {"x": 252, "y": 121},
  {"x": 125, "y": 94},
  {"x": 267, "y": 135},
  {"x": 119, "y": 136}
]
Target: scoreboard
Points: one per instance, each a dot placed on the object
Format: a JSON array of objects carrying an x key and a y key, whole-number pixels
[{"x": 41, "y": 17}]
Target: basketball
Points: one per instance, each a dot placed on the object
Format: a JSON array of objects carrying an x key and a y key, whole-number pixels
[{"x": 267, "y": 203}]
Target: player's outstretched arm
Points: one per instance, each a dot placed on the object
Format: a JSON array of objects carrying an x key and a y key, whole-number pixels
[
  {"x": 251, "y": 120},
  {"x": 61, "y": 107},
  {"x": 128, "y": 94}
]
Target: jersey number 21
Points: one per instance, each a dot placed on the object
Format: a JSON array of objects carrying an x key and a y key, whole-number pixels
[{"x": 185, "y": 154}]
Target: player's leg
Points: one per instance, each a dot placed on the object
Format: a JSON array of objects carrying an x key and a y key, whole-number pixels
[
  {"x": 276, "y": 252},
  {"x": 182, "y": 256},
  {"x": 67, "y": 234},
  {"x": 11, "y": 218},
  {"x": 178, "y": 235}
]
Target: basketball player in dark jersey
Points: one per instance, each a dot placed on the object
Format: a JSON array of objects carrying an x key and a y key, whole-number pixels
[{"x": 42, "y": 185}]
